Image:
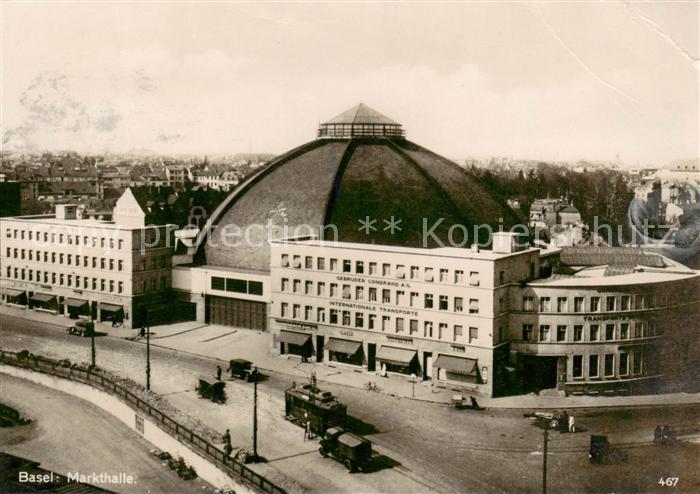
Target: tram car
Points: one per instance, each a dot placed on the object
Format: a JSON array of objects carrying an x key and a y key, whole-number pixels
[{"x": 319, "y": 408}]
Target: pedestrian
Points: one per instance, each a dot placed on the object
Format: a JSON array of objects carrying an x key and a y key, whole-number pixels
[
  {"x": 564, "y": 422},
  {"x": 306, "y": 426},
  {"x": 227, "y": 437},
  {"x": 218, "y": 373},
  {"x": 228, "y": 449},
  {"x": 475, "y": 405},
  {"x": 658, "y": 435},
  {"x": 572, "y": 425}
]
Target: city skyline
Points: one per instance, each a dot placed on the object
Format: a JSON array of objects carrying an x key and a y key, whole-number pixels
[{"x": 557, "y": 82}]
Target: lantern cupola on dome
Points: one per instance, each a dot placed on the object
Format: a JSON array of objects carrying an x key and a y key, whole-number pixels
[{"x": 360, "y": 121}]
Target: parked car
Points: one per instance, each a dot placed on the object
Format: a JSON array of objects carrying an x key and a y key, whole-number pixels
[
  {"x": 353, "y": 451},
  {"x": 243, "y": 369},
  {"x": 212, "y": 391},
  {"x": 82, "y": 328}
]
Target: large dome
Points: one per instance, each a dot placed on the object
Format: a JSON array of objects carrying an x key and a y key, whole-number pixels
[{"x": 360, "y": 168}]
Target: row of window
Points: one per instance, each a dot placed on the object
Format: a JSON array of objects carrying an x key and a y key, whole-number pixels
[
  {"x": 610, "y": 303},
  {"x": 84, "y": 282},
  {"x": 627, "y": 363},
  {"x": 67, "y": 239},
  {"x": 594, "y": 332},
  {"x": 397, "y": 297},
  {"x": 360, "y": 320},
  {"x": 398, "y": 271},
  {"x": 84, "y": 261},
  {"x": 237, "y": 285}
]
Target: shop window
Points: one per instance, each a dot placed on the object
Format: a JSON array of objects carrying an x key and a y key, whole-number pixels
[
  {"x": 578, "y": 366},
  {"x": 593, "y": 366}
]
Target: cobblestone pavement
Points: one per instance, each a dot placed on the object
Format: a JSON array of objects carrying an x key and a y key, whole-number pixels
[{"x": 424, "y": 446}]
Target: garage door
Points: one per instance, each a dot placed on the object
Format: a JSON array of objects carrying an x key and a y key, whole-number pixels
[{"x": 236, "y": 312}]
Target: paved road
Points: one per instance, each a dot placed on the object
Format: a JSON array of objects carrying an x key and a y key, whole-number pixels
[
  {"x": 91, "y": 441},
  {"x": 426, "y": 447}
]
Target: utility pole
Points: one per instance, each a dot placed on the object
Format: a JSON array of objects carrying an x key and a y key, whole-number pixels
[
  {"x": 544, "y": 459},
  {"x": 255, "y": 414},
  {"x": 92, "y": 339}
]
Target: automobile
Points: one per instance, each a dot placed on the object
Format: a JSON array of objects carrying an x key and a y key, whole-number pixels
[
  {"x": 602, "y": 454},
  {"x": 242, "y": 369},
  {"x": 353, "y": 451},
  {"x": 82, "y": 328}
]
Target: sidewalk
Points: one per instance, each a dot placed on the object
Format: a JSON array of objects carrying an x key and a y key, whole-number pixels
[{"x": 225, "y": 343}]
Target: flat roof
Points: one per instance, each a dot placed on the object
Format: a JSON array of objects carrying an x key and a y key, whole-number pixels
[
  {"x": 84, "y": 222},
  {"x": 454, "y": 252},
  {"x": 636, "y": 278}
]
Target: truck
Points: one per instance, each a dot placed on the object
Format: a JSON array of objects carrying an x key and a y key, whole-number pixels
[{"x": 353, "y": 451}]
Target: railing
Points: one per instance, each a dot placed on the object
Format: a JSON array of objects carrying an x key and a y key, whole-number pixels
[{"x": 235, "y": 469}]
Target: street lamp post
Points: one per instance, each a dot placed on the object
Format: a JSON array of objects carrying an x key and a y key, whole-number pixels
[
  {"x": 544, "y": 458},
  {"x": 92, "y": 339},
  {"x": 255, "y": 414},
  {"x": 147, "y": 329}
]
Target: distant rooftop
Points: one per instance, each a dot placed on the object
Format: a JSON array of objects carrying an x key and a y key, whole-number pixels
[
  {"x": 360, "y": 121},
  {"x": 611, "y": 256}
]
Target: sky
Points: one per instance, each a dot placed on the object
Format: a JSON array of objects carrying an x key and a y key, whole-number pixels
[{"x": 547, "y": 81}]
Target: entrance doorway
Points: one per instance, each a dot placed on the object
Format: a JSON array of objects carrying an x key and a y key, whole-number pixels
[
  {"x": 427, "y": 365},
  {"x": 371, "y": 354},
  {"x": 539, "y": 373},
  {"x": 319, "y": 348}
]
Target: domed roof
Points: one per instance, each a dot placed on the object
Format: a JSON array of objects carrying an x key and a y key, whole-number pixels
[{"x": 358, "y": 186}]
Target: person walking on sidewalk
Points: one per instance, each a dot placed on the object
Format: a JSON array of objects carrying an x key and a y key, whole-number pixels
[{"x": 218, "y": 373}]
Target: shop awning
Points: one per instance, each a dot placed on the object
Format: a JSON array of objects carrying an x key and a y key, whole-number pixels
[
  {"x": 294, "y": 338},
  {"x": 13, "y": 292},
  {"x": 457, "y": 365},
  {"x": 42, "y": 297},
  {"x": 110, "y": 307},
  {"x": 396, "y": 356},
  {"x": 347, "y": 347},
  {"x": 75, "y": 302}
]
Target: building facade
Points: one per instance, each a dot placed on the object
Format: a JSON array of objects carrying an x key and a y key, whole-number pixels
[{"x": 88, "y": 268}]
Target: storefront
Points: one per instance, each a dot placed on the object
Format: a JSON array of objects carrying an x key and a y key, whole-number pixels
[
  {"x": 43, "y": 301},
  {"x": 456, "y": 368},
  {"x": 400, "y": 360},
  {"x": 17, "y": 297},
  {"x": 76, "y": 307},
  {"x": 294, "y": 343},
  {"x": 111, "y": 312},
  {"x": 345, "y": 351}
]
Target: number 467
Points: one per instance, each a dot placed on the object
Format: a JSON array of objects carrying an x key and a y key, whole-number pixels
[{"x": 668, "y": 481}]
